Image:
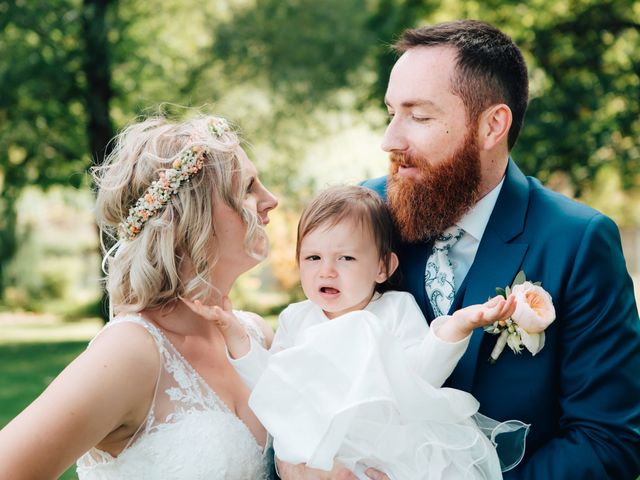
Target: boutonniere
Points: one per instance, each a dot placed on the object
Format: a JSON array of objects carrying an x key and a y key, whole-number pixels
[{"x": 533, "y": 314}]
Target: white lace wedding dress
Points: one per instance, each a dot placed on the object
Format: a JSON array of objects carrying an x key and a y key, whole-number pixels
[{"x": 189, "y": 433}]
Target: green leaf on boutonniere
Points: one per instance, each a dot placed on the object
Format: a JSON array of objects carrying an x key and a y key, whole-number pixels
[
  {"x": 501, "y": 291},
  {"x": 520, "y": 279},
  {"x": 539, "y": 284}
]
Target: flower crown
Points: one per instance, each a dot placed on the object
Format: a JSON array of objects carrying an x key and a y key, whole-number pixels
[{"x": 188, "y": 163}]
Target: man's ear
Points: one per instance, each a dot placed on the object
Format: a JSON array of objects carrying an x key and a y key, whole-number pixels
[
  {"x": 383, "y": 272},
  {"x": 493, "y": 126}
]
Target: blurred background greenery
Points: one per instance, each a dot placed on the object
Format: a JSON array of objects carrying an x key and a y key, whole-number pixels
[{"x": 305, "y": 80}]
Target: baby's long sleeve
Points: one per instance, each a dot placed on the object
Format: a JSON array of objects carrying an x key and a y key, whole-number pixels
[
  {"x": 430, "y": 357},
  {"x": 251, "y": 366},
  {"x": 434, "y": 359}
]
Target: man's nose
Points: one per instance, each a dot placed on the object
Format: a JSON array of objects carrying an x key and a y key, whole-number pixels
[{"x": 393, "y": 139}]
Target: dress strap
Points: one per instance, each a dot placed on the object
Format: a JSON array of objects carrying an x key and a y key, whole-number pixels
[{"x": 251, "y": 325}]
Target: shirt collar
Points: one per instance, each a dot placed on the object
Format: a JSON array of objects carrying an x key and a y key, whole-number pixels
[{"x": 475, "y": 221}]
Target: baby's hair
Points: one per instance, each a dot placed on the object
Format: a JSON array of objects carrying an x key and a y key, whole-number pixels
[{"x": 360, "y": 205}]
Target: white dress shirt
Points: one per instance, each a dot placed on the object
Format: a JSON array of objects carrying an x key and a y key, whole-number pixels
[{"x": 474, "y": 223}]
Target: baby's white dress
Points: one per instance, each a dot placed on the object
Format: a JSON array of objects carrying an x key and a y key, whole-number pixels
[
  {"x": 364, "y": 390},
  {"x": 189, "y": 432}
]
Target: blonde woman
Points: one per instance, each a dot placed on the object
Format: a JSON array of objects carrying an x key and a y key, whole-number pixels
[{"x": 154, "y": 395}]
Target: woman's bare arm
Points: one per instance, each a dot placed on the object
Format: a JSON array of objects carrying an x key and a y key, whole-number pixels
[{"x": 110, "y": 385}]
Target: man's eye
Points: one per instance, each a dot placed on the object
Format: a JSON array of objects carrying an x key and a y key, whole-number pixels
[{"x": 421, "y": 119}]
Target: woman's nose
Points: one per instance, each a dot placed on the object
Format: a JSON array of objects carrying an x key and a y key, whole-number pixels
[{"x": 269, "y": 201}]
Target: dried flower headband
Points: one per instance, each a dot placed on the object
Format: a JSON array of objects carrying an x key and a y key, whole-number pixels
[{"x": 189, "y": 163}]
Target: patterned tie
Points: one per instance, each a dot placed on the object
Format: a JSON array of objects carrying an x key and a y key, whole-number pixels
[{"x": 438, "y": 276}]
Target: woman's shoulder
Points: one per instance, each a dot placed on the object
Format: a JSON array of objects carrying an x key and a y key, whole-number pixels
[{"x": 131, "y": 340}]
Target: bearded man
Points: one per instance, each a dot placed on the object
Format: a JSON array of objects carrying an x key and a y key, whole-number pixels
[{"x": 469, "y": 221}]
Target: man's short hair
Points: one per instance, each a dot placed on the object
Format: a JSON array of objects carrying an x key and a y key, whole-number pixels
[{"x": 490, "y": 68}]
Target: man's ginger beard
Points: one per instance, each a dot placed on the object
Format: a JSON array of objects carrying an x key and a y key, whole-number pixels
[{"x": 426, "y": 206}]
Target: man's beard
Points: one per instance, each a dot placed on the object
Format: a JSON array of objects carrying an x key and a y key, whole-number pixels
[{"x": 426, "y": 206}]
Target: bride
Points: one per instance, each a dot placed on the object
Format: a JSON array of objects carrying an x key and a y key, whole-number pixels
[{"x": 153, "y": 396}]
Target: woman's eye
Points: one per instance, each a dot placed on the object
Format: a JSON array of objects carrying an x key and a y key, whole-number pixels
[{"x": 250, "y": 185}]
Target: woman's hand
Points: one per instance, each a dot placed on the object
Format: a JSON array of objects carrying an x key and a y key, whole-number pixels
[{"x": 234, "y": 333}]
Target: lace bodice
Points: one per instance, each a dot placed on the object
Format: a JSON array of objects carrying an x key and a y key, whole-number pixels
[{"x": 189, "y": 433}]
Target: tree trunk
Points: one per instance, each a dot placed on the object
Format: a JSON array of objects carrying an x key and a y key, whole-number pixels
[{"x": 97, "y": 68}]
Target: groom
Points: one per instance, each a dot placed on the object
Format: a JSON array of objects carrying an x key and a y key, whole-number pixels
[{"x": 457, "y": 98}]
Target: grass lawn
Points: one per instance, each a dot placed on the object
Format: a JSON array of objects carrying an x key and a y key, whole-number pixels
[
  {"x": 32, "y": 352},
  {"x": 26, "y": 369}
]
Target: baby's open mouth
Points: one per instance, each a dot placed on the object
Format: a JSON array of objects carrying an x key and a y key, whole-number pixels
[{"x": 329, "y": 290}]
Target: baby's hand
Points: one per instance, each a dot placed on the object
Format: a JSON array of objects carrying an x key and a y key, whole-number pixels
[
  {"x": 467, "y": 319},
  {"x": 495, "y": 310},
  {"x": 234, "y": 333}
]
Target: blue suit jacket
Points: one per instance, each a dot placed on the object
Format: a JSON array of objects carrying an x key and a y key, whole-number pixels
[{"x": 581, "y": 393}]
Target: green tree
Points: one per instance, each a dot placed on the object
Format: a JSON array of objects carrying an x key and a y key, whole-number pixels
[{"x": 42, "y": 140}]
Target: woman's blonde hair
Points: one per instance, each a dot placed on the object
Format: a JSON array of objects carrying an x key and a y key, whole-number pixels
[{"x": 146, "y": 271}]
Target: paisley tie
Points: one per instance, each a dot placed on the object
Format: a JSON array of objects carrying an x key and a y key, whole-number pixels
[{"x": 438, "y": 276}]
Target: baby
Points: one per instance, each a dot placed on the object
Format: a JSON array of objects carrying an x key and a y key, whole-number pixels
[{"x": 354, "y": 373}]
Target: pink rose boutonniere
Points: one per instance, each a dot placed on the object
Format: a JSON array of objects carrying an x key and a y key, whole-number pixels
[{"x": 534, "y": 313}]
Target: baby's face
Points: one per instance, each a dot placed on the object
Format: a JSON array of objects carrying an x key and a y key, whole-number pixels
[{"x": 339, "y": 267}]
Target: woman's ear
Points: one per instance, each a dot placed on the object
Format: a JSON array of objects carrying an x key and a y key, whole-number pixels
[
  {"x": 383, "y": 272},
  {"x": 494, "y": 126}
]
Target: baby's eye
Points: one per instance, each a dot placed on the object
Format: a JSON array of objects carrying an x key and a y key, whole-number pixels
[
  {"x": 312, "y": 258},
  {"x": 348, "y": 258}
]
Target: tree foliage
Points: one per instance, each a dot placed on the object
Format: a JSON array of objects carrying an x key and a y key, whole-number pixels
[{"x": 73, "y": 71}]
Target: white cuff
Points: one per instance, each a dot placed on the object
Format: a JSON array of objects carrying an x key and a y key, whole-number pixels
[{"x": 251, "y": 365}]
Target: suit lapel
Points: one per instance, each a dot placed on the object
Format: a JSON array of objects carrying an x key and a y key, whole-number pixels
[
  {"x": 413, "y": 261},
  {"x": 497, "y": 261}
]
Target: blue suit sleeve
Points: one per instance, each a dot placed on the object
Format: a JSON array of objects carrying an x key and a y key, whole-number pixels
[{"x": 599, "y": 359}]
